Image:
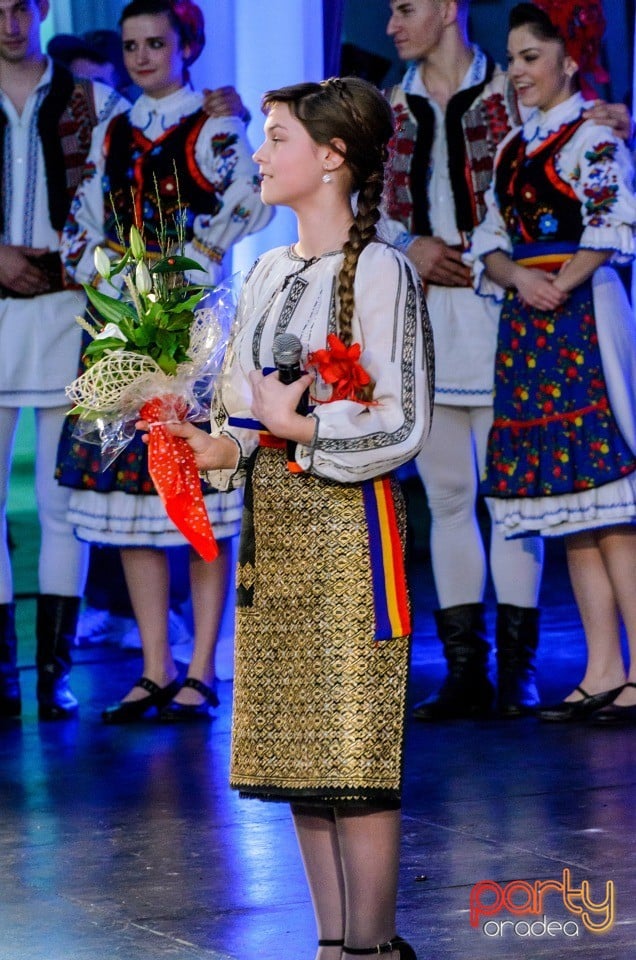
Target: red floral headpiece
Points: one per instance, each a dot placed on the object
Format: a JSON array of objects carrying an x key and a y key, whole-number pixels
[
  {"x": 192, "y": 23},
  {"x": 581, "y": 24}
]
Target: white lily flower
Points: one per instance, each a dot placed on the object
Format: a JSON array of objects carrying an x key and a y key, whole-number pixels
[
  {"x": 111, "y": 330},
  {"x": 143, "y": 280},
  {"x": 102, "y": 262},
  {"x": 137, "y": 246}
]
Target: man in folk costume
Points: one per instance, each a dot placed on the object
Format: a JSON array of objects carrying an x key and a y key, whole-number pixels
[
  {"x": 46, "y": 119},
  {"x": 452, "y": 109}
]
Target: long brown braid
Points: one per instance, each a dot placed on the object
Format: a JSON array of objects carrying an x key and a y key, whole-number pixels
[{"x": 352, "y": 111}]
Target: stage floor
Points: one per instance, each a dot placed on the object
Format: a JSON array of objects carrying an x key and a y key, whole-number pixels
[{"x": 125, "y": 842}]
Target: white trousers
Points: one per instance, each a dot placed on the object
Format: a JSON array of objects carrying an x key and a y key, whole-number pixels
[
  {"x": 450, "y": 465},
  {"x": 63, "y": 560}
]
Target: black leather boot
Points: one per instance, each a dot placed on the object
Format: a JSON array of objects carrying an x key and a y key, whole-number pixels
[
  {"x": 56, "y": 625},
  {"x": 467, "y": 691},
  {"x": 517, "y": 636},
  {"x": 10, "y": 700}
]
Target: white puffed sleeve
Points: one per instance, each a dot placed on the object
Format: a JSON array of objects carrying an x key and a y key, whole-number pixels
[
  {"x": 353, "y": 441},
  {"x": 232, "y": 399},
  {"x": 599, "y": 168},
  {"x": 490, "y": 235},
  {"x": 224, "y": 156}
]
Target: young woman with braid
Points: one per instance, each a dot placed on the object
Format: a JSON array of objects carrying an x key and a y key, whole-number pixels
[{"x": 322, "y": 644}]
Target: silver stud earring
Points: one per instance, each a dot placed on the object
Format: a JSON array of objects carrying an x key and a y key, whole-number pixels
[{"x": 327, "y": 178}]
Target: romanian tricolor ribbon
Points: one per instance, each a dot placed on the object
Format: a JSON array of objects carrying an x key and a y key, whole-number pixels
[{"x": 390, "y": 597}]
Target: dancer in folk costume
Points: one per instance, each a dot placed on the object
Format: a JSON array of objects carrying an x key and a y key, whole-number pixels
[
  {"x": 562, "y": 448},
  {"x": 46, "y": 119},
  {"x": 453, "y": 108},
  {"x": 174, "y": 155}
]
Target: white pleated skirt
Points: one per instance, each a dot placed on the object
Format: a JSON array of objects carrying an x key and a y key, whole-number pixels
[{"x": 140, "y": 520}]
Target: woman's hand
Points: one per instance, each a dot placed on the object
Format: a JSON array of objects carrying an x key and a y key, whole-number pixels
[
  {"x": 210, "y": 453},
  {"x": 536, "y": 288},
  {"x": 274, "y": 404}
]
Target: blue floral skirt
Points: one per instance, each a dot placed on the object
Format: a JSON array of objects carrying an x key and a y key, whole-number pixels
[{"x": 553, "y": 431}]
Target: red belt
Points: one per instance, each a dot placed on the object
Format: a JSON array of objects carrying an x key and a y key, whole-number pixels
[
  {"x": 269, "y": 440},
  {"x": 277, "y": 443}
]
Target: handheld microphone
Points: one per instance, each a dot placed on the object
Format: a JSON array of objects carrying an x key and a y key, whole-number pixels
[{"x": 287, "y": 349}]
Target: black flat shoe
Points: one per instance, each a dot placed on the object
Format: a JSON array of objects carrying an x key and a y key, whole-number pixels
[
  {"x": 570, "y": 711},
  {"x": 615, "y": 715},
  {"x": 404, "y": 949},
  {"x": 127, "y": 711},
  {"x": 177, "y": 712}
]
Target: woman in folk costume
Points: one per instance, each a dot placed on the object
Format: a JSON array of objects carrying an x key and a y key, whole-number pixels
[
  {"x": 130, "y": 179},
  {"x": 562, "y": 449},
  {"x": 322, "y": 643}
]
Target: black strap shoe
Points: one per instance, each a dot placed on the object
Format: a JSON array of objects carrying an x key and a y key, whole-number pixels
[
  {"x": 404, "y": 949},
  {"x": 571, "y": 711},
  {"x": 177, "y": 712},
  {"x": 615, "y": 715},
  {"x": 128, "y": 711}
]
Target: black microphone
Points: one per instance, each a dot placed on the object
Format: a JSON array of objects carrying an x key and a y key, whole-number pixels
[{"x": 287, "y": 349}]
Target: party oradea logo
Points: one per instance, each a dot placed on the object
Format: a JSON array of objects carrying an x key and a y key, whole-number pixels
[{"x": 545, "y": 908}]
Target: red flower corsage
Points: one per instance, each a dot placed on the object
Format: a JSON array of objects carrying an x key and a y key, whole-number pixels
[{"x": 339, "y": 366}]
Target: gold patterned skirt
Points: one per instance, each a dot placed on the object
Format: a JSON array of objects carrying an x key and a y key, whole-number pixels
[{"x": 322, "y": 639}]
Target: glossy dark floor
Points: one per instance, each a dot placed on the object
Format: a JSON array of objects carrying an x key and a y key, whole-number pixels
[{"x": 127, "y": 843}]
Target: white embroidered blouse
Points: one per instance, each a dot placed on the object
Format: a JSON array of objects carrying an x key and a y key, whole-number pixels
[{"x": 352, "y": 442}]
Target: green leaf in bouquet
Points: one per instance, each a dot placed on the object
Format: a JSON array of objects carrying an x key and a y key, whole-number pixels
[
  {"x": 180, "y": 321},
  {"x": 143, "y": 335},
  {"x": 167, "y": 340},
  {"x": 189, "y": 304},
  {"x": 96, "y": 347},
  {"x": 109, "y": 309},
  {"x": 176, "y": 264},
  {"x": 154, "y": 311},
  {"x": 167, "y": 363}
]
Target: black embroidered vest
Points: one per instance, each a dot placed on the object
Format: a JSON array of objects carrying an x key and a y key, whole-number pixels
[
  {"x": 136, "y": 164},
  {"x": 535, "y": 203},
  {"x": 476, "y": 121},
  {"x": 66, "y": 118}
]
